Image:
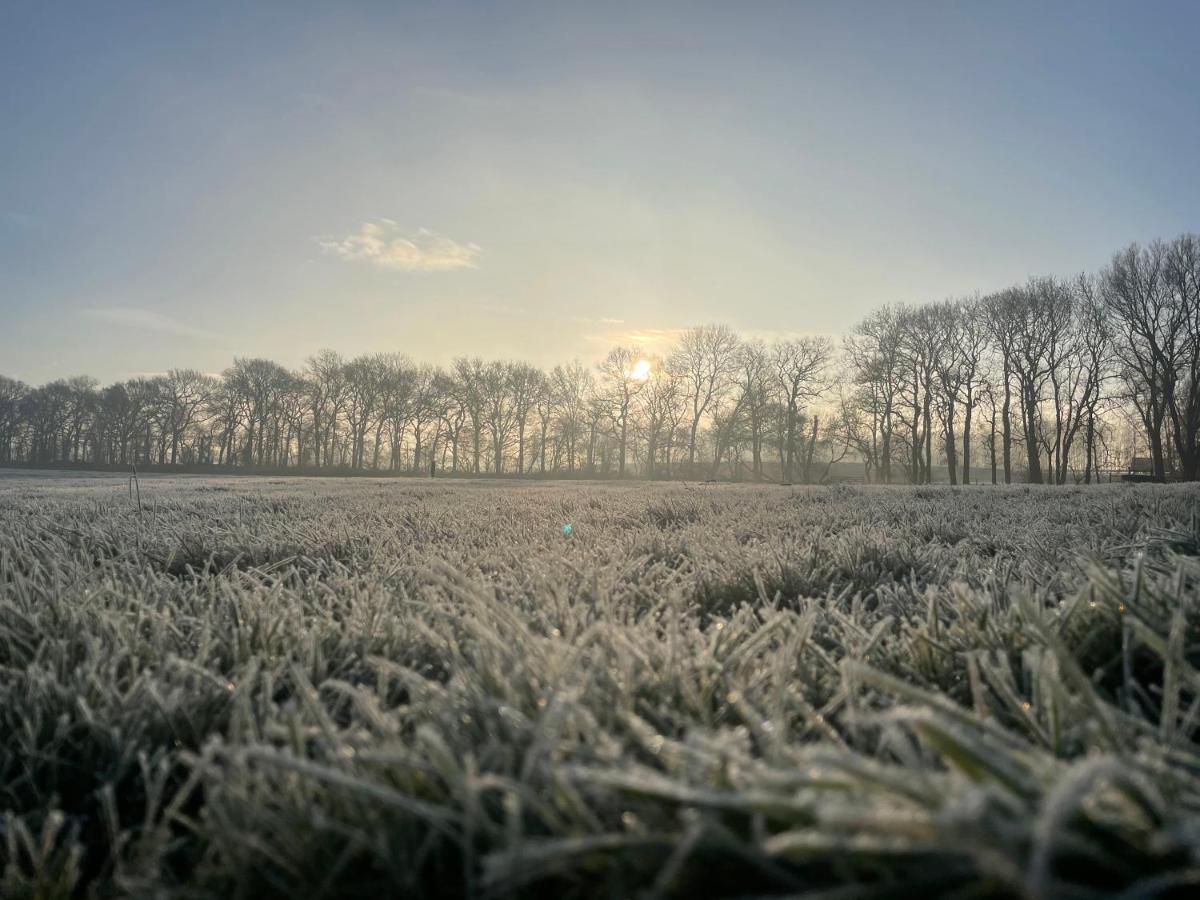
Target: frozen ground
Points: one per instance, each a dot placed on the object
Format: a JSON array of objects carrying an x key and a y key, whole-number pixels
[{"x": 303, "y": 687}]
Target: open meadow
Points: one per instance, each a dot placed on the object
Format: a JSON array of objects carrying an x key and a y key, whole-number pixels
[{"x": 251, "y": 687}]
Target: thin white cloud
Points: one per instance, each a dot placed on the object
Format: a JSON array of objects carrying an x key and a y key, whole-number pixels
[
  {"x": 591, "y": 320},
  {"x": 651, "y": 340},
  {"x": 652, "y": 337},
  {"x": 380, "y": 242},
  {"x": 661, "y": 340},
  {"x": 148, "y": 320}
]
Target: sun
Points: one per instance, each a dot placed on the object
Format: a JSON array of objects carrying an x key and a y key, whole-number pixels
[{"x": 640, "y": 370}]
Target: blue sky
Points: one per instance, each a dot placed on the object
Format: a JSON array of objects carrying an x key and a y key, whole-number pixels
[{"x": 183, "y": 183}]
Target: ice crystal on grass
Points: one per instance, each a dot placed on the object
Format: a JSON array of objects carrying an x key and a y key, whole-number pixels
[{"x": 309, "y": 688}]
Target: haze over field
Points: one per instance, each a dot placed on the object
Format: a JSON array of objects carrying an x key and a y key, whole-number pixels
[{"x": 183, "y": 184}]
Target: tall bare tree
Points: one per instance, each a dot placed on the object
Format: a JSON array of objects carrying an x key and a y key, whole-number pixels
[
  {"x": 799, "y": 366},
  {"x": 875, "y": 352},
  {"x": 706, "y": 361},
  {"x": 619, "y": 385}
]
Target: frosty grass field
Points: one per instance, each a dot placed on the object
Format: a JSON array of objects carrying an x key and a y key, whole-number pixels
[{"x": 257, "y": 687}]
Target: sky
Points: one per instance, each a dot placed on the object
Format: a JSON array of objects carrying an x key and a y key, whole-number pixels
[{"x": 182, "y": 184}]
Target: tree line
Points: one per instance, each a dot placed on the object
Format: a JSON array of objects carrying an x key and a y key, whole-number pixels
[{"x": 1056, "y": 380}]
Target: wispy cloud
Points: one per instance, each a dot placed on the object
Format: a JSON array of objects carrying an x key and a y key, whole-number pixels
[
  {"x": 650, "y": 340},
  {"x": 654, "y": 335},
  {"x": 148, "y": 320},
  {"x": 591, "y": 320},
  {"x": 382, "y": 243},
  {"x": 662, "y": 340}
]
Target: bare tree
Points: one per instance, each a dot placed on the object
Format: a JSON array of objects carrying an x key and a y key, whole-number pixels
[
  {"x": 950, "y": 367},
  {"x": 12, "y": 394},
  {"x": 920, "y": 336},
  {"x": 524, "y": 382},
  {"x": 756, "y": 385},
  {"x": 619, "y": 385},
  {"x": 572, "y": 385},
  {"x": 545, "y": 405},
  {"x": 799, "y": 366},
  {"x": 706, "y": 361},
  {"x": 470, "y": 376},
  {"x": 1086, "y": 368},
  {"x": 660, "y": 409},
  {"x": 499, "y": 409},
  {"x": 325, "y": 384},
  {"x": 184, "y": 395},
  {"x": 875, "y": 352},
  {"x": 1181, "y": 277},
  {"x": 1002, "y": 314}
]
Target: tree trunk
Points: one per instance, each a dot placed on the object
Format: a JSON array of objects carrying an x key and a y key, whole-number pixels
[
  {"x": 968, "y": 414},
  {"x": 812, "y": 448},
  {"x": 1006, "y": 424},
  {"x": 1029, "y": 414}
]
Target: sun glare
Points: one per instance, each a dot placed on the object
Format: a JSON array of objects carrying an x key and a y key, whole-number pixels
[{"x": 640, "y": 370}]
